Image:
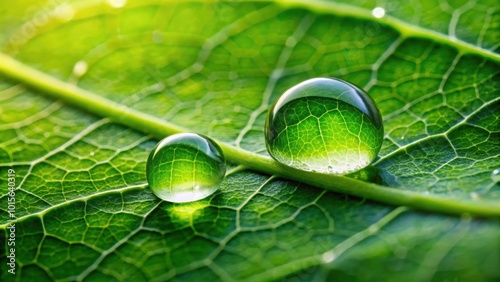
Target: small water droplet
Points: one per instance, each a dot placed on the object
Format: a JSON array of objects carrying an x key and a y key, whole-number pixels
[
  {"x": 474, "y": 196},
  {"x": 324, "y": 125},
  {"x": 160, "y": 86},
  {"x": 117, "y": 3},
  {"x": 185, "y": 167},
  {"x": 80, "y": 68},
  {"x": 64, "y": 12},
  {"x": 91, "y": 153},
  {"x": 378, "y": 12},
  {"x": 495, "y": 175},
  {"x": 328, "y": 257}
]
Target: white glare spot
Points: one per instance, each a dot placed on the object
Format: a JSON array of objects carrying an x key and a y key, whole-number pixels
[
  {"x": 495, "y": 175},
  {"x": 328, "y": 257},
  {"x": 80, "y": 68},
  {"x": 64, "y": 12},
  {"x": 378, "y": 12},
  {"x": 117, "y": 3},
  {"x": 92, "y": 153},
  {"x": 158, "y": 87},
  {"x": 474, "y": 196}
]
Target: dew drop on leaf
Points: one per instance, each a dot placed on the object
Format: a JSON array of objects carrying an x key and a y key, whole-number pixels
[
  {"x": 495, "y": 175},
  {"x": 117, "y": 3},
  {"x": 378, "y": 12},
  {"x": 324, "y": 125},
  {"x": 80, "y": 68},
  {"x": 185, "y": 167}
]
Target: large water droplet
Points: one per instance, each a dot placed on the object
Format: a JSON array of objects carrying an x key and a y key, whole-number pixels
[
  {"x": 324, "y": 125},
  {"x": 495, "y": 175},
  {"x": 185, "y": 167}
]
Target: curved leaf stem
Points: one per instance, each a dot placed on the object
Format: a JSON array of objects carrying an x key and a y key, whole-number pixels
[{"x": 159, "y": 128}]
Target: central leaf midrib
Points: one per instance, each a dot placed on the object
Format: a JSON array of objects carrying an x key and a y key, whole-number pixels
[{"x": 148, "y": 124}]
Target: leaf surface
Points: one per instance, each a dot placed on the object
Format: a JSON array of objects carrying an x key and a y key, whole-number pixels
[{"x": 83, "y": 208}]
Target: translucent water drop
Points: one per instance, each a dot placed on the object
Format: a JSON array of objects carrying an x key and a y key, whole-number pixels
[
  {"x": 324, "y": 125},
  {"x": 185, "y": 167},
  {"x": 80, "y": 68},
  {"x": 64, "y": 12},
  {"x": 378, "y": 12},
  {"x": 495, "y": 175},
  {"x": 117, "y": 3}
]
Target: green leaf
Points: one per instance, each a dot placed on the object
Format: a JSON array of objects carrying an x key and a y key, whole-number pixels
[{"x": 88, "y": 88}]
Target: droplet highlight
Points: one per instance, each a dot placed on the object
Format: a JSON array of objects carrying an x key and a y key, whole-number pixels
[
  {"x": 117, "y": 3},
  {"x": 495, "y": 175},
  {"x": 324, "y": 125},
  {"x": 64, "y": 12},
  {"x": 328, "y": 257},
  {"x": 185, "y": 167},
  {"x": 80, "y": 68},
  {"x": 378, "y": 12}
]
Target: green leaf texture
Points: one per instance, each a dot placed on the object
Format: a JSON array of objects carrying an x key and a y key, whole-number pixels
[{"x": 83, "y": 207}]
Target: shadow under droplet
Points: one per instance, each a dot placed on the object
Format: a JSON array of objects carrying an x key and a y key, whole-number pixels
[{"x": 368, "y": 174}]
